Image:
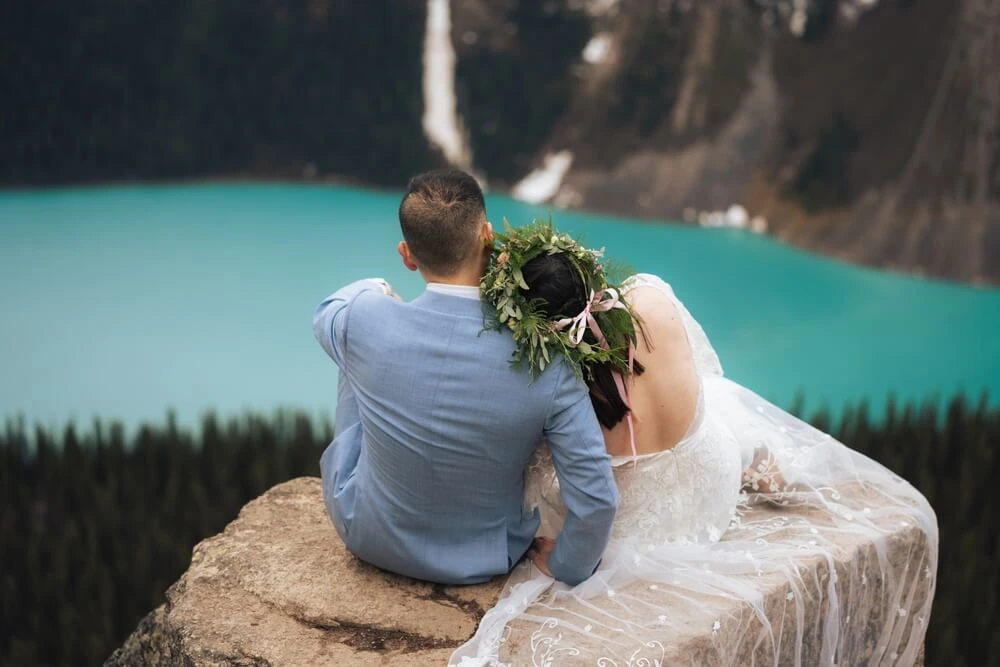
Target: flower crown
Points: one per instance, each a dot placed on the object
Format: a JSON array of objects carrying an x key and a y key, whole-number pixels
[{"x": 540, "y": 338}]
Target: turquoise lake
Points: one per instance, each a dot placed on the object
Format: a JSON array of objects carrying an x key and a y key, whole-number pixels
[{"x": 124, "y": 302}]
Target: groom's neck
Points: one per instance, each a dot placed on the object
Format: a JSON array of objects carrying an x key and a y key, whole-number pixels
[
  {"x": 469, "y": 278},
  {"x": 470, "y": 275}
]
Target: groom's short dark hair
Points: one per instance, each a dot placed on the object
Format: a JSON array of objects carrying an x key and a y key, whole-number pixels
[{"x": 441, "y": 215}]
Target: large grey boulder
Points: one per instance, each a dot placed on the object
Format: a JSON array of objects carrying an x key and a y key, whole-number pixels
[{"x": 277, "y": 587}]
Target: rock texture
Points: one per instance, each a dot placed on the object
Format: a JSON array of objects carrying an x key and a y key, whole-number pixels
[
  {"x": 277, "y": 587},
  {"x": 871, "y": 136}
]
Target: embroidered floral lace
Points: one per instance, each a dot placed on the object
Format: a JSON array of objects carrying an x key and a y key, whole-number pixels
[{"x": 749, "y": 494}]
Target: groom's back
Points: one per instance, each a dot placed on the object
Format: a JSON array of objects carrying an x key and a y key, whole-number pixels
[{"x": 445, "y": 427}]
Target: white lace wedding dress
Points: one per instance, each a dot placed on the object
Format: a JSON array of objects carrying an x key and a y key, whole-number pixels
[{"x": 685, "y": 536}]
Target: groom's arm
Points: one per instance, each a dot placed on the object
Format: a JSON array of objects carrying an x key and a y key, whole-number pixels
[
  {"x": 332, "y": 314},
  {"x": 585, "y": 480}
]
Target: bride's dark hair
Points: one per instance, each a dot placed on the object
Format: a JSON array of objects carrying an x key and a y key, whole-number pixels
[{"x": 559, "y": 288}]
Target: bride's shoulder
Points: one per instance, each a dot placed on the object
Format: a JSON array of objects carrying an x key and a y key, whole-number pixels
[
  {"x": 646, "y": 287},
  {"x": 657, "y": 308},
  {"x": 646, "y": 280}
]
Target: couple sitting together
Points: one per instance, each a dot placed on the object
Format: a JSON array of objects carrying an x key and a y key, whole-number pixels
[{"x": 525, "y": 413}]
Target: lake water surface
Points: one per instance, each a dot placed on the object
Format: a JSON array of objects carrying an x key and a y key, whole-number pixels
[{"x": 124, "y": 302}]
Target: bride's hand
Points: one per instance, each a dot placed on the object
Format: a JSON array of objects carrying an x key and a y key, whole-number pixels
[
  {"x": 539, "y": 553},
  {"x": 763, "y": 475}
]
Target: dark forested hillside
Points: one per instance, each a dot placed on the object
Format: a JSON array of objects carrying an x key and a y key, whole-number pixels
[
  {"x": 119, "y": 89},
  {"x": 95, "y": 526},
  {"x": 865, "y": 130}
]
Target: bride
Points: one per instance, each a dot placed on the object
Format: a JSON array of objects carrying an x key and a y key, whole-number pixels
[{"x": 707, "y": 471}]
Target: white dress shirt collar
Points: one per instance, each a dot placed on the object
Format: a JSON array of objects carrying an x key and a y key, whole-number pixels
[{"x": 464, "y": 291}]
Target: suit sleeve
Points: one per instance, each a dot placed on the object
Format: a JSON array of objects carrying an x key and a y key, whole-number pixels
[
  {"x": 331, "y": 316},
  {"x": 585, "y": 479}
]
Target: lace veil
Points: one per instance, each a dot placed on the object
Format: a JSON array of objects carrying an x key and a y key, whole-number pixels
[{"x": 829, "y": 558}]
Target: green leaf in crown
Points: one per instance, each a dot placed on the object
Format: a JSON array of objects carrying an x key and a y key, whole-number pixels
[{"x": 540, "y": 339}]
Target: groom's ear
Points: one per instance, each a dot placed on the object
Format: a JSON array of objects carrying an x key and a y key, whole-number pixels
[
  {"x": 404, "y": 252},
  {"x": 488, "y": 234}
]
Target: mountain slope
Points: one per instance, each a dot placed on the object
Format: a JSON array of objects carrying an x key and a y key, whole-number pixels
[{"x": 873, "y": 136}]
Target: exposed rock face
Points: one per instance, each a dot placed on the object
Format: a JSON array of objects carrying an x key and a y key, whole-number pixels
[
  {"x": 864, "y": 129},
  {"x": 869, "y": 135},
  {"x": 277, "y": 587}
]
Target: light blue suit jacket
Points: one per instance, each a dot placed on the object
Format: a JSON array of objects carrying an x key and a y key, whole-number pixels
[{"x": 433, "y": 430}]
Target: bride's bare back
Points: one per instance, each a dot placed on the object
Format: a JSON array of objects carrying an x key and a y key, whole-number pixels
[{"x": 665, "y": 397}]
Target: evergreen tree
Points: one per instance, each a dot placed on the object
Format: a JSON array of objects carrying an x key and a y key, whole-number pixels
[{"x": 94, "y": 528}]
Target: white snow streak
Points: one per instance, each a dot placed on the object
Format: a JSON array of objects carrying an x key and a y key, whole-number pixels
[
  {"x": 441, "y": 121},
  {"x": 597, "y": 49},
  {"x": 543, "y": 183}
]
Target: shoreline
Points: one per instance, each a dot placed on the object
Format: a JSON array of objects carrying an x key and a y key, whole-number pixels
[
  {"x": 290, "y": 178},
  {"x": 236, "y": 177}
]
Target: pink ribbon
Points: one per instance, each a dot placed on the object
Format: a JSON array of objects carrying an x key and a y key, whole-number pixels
[{"x": 601, "y": 302}]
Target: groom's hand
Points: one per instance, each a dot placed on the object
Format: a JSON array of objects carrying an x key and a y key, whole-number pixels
[
  {"x": 387, "y": 288},
  {"x": 539, "y": 553}
]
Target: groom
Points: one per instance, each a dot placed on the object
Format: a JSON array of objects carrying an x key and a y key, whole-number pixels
[{"x": 433, "y": 425}]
